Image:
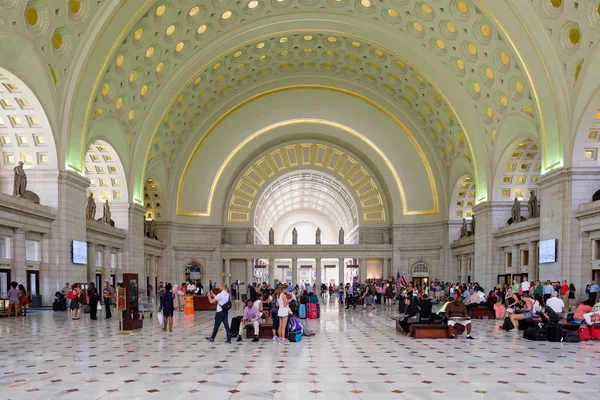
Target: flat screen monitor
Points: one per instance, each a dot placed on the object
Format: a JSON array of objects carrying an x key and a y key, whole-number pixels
[
  {"x": 548, "y": 251},
  {"x": 79, "y": 252}
]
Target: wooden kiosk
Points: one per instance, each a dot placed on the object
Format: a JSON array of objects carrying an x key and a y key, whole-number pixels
[{"x": 131, "y": 319}]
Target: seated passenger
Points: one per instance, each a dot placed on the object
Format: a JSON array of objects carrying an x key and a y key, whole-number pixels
[
  {"x": 456, "y": 312},
  {"x": 527, "y": 312},
  {"x": 584, "y": 308},
  {"x": 411, "y": 310},
  {"x": 426, "y": 307},
  {"x": 251, "y": 316},
  {"x": 555, "y": 303}
]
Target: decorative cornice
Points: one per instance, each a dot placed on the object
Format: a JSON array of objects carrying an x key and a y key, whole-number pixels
[
  {"x": 520, "y": 227},
  {"x": 19, "y": 206},
  {"x": 105, "y": 229}
]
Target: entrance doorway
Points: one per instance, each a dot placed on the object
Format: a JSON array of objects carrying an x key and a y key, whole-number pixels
[
  {"x": 98, "y": 281},
  {"x": 33, "y": 282},
  {"x": 420, "y": 283},
  {"x": 4, "y": 282}
]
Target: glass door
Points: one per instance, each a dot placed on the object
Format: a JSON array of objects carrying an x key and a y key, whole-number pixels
[
  {"x": 4, "y": 282},
  {"x": 33, "y": 282}
]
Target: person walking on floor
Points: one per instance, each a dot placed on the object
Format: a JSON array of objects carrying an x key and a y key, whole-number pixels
[
  {"x": 108, "y": 293},
  {"x": 93, "y": 297},
  {"x": 223, "y": 306},
  {"x": 167, "y": 307},
  {"x": 13, "y": 299},
  {"x": 74, "y": 301},
  {"x": 23, "y": 300}
]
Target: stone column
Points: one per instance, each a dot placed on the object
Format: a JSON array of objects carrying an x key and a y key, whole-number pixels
[
  {"x": 106, "y": 271},
  {"x": 119, "y": 272},
  {"x": 249, "y": 271},
  {"x": 533, "y": 273},
  {"x": 516, "y": 261},
  {"x": 130, "y": 217},
  {"x": 362, "y": 270},
  {"x": 160, "y": 274},
  {"x": 490, "y": 217},
  {"x": 318, "y": 276},
  {"x": 91, "y": 265},
  {"x": 271, "y": 271},
  {"x": 227, "y": 272},
  {"x": 152, "y": 273},
  {"x": 46, "y": 289},
  {"x": 463, "y": 268},
  {"x": 294, "y": 271},
  {"x": 19, "y": 264},
  {"x": 341, "y": 270}
]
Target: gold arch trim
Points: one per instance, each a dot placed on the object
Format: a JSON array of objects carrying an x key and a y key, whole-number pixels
[
  {"x": 317, "y": 156},
  {"x": 349, "y": 130}
]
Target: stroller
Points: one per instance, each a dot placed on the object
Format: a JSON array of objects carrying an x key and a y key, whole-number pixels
[{"x": 60, "y": 302}]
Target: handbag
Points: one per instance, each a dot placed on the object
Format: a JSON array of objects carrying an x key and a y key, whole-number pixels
[
  {"x": 160, "y": 317},
  {"x": 99, "y": 307},
  {"x": 86, "y": 309}
]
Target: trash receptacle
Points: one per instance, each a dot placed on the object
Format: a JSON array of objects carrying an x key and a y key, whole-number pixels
[{"x": 36, "y": 301}]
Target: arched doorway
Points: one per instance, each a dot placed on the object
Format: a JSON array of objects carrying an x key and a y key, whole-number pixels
[
  {"x": 420, "y": 274},
  {"x": 193, "y": 272}
]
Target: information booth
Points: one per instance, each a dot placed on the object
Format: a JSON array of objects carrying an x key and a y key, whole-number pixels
[{"x": 131, "y": 314}]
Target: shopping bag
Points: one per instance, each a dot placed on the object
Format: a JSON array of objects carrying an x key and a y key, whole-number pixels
[
  {"x": 99, "y": 307},
  {"x": 160, "y": 318}
]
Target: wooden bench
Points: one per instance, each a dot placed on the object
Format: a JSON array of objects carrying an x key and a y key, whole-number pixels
[
  {"x": 265, "y": 330},
  {"x": 429, "y": 331},
  {"x": 480, "y": 312}
]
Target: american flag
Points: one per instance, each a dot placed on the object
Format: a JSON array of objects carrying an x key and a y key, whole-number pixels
[{"x": 400, "y": 281}]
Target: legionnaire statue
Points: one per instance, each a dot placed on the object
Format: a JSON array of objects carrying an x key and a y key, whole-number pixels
[
  {"x": 106, "y": 213},
  {"x": 318, "y": 236},
  {"x": 90, "y": 207},
  {"x": 249, "y": 237},
  {"x": 386, "y": 237},
  {"x": 532, "y": 205},
  {"x": 516, "y": 211},
  {"x": 463, "y": 229},
  {"x": 473, "y": 224},
  {"x": 20, "y": 183},
  {"x": 271, "y": 236},
  {"x": 294, "y": 236},
  {"x": 341, "y": 236}
]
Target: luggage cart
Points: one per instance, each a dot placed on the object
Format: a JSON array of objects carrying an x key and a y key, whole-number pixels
[{"x": 146, "y": 305}]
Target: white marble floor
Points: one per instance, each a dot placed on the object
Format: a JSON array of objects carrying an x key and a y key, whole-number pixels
[{"x": 355, "y": 355}]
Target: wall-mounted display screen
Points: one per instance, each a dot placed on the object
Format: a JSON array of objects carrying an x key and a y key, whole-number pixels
[
  {"x": 79, "y": 252},
  {"x": 548, "y": 249}
]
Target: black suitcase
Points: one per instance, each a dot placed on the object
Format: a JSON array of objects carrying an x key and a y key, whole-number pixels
[
  {"x": 235, "y": 326},
  {"x": 571, "y": 337},
  {"x": 507, "y": 324},
  {"x": 554, "y": 332},
  {"x": 56, "y": 306},
  {"x": 535, "y": 333}
]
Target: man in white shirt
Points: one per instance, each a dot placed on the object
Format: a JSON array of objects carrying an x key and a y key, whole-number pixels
[
  {"x": 191, "y": 287},
  {"x": 525, "y": 285},
  {"x": 555, "y": 303},
  {"x": 548, "y": 289},
  {"x": 221, "y": 315}
]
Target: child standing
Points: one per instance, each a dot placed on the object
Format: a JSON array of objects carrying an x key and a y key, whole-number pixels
[{"x": 167, "y": 308}]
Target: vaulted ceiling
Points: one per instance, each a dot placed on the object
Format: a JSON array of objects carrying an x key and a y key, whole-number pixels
[{"x": 146, "y": 75}]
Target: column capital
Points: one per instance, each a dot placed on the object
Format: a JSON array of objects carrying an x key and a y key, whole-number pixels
[{"x": 19, "y": 231}]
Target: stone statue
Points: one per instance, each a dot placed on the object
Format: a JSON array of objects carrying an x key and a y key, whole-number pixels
[
  {"x": 20, "y": 183},
  {"x": 106, "y": 213},
  {"x": 294, "y": 236},
  {"x": 463, "y": 229},
  {"x": 90, "y": 207},
  {"x": 225, "y": 238},
  {"x": 473, "y": 224},
  {"x": 249, "y": 237},
  {"x": 363, "y": 237},
  {"x": 532, "y": 205},
  {"x": 151, "y": 226},
  {"x": 516, "y": 211},
  {"x": 271, "y": 236},
  {"x": 386, "y": 236},
  {"x": 341, "y": 236},
  {"x": 318, "y": 236}
]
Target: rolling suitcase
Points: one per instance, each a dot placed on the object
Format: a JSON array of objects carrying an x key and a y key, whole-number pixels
[
  {"x": 535, "y": 333},
  {"x": 56, "y": 306},
  {"x": 571, "y": 337},
  {"x": 585, "y": 333},
  {"x": 318, "y": 310},
  {"x": 554, "y": 332},
  {"x": 295, "y": 337},
  {"x": 595, "y": 331},
  {"x": 312, "y": 311},
  {"x": 302, "y": 311}
]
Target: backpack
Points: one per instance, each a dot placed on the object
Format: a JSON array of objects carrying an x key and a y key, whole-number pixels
[
  {"x": 274, "y": 307},
  {"x": 294, "y": 325},
  {"x": 373, "y": 290}
]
